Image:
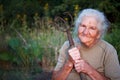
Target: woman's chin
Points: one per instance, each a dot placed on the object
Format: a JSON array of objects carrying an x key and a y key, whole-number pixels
[{"x": 85, "y": 40}]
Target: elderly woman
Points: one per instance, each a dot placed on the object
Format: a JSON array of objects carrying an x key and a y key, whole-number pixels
[{"x": 92, "y": 58}]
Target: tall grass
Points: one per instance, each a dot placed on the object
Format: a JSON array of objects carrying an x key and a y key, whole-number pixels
[
  {"x": 32, "y": 49},
  {"x": 48, "y": 42}
]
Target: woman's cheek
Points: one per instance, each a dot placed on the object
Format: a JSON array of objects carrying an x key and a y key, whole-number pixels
[
  {"x": 93, "y": 33},
  {"x": 80, "y": 30}
]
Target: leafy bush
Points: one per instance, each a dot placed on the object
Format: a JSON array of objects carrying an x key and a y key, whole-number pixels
[{"x": 32, "y": 50}]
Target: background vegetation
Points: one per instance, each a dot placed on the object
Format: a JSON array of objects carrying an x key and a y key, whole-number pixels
[{"x": 29, "y": 44}]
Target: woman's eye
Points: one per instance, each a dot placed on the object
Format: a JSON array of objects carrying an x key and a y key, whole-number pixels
[
  {"x": 92, "y": 28},
  {"x": 82, "y": 25}
]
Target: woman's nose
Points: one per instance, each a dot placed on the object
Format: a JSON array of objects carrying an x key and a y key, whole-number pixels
[{"x": 86, "y": 31}]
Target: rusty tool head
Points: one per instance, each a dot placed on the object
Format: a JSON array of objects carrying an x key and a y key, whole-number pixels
[
  {"x": 62, "y": 24},
  {"x": 65, "y": 26}
]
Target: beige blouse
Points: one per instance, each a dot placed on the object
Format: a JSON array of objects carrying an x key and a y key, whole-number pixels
[{"x": 102, "y": 56}]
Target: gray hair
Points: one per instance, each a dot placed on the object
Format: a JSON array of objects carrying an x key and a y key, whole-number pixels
[{"x": 103, "y": 23}]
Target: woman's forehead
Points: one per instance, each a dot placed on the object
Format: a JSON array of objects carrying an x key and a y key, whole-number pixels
[{"x": 89, "y": 20}]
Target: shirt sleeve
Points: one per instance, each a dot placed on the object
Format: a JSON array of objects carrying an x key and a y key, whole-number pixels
[
  {"x": 62, "y": 56},
  {"x": 112, "y": 66}
]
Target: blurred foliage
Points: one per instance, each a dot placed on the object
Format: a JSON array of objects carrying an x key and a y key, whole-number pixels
[
  {"x": 29, "y": 44},
  {"x": 28, "y": 51},
  {"x": 114, "y": 38},
  {"x": 50, "y": 8}
]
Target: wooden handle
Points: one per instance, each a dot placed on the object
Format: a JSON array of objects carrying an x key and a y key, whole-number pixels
[{"x": 71, "y": 42}]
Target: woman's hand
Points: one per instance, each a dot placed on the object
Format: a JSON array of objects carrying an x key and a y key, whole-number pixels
[
  {"x": 79, "y": 64},
  {"x": 74, "y": 54},
  {"x": 82, "y": 66}
]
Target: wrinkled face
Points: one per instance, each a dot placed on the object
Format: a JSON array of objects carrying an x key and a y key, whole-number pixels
[{"x": 88, "y": 32}]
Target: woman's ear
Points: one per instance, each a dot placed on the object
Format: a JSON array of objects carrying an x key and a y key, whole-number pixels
[{"x": 99, "y": 35}]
